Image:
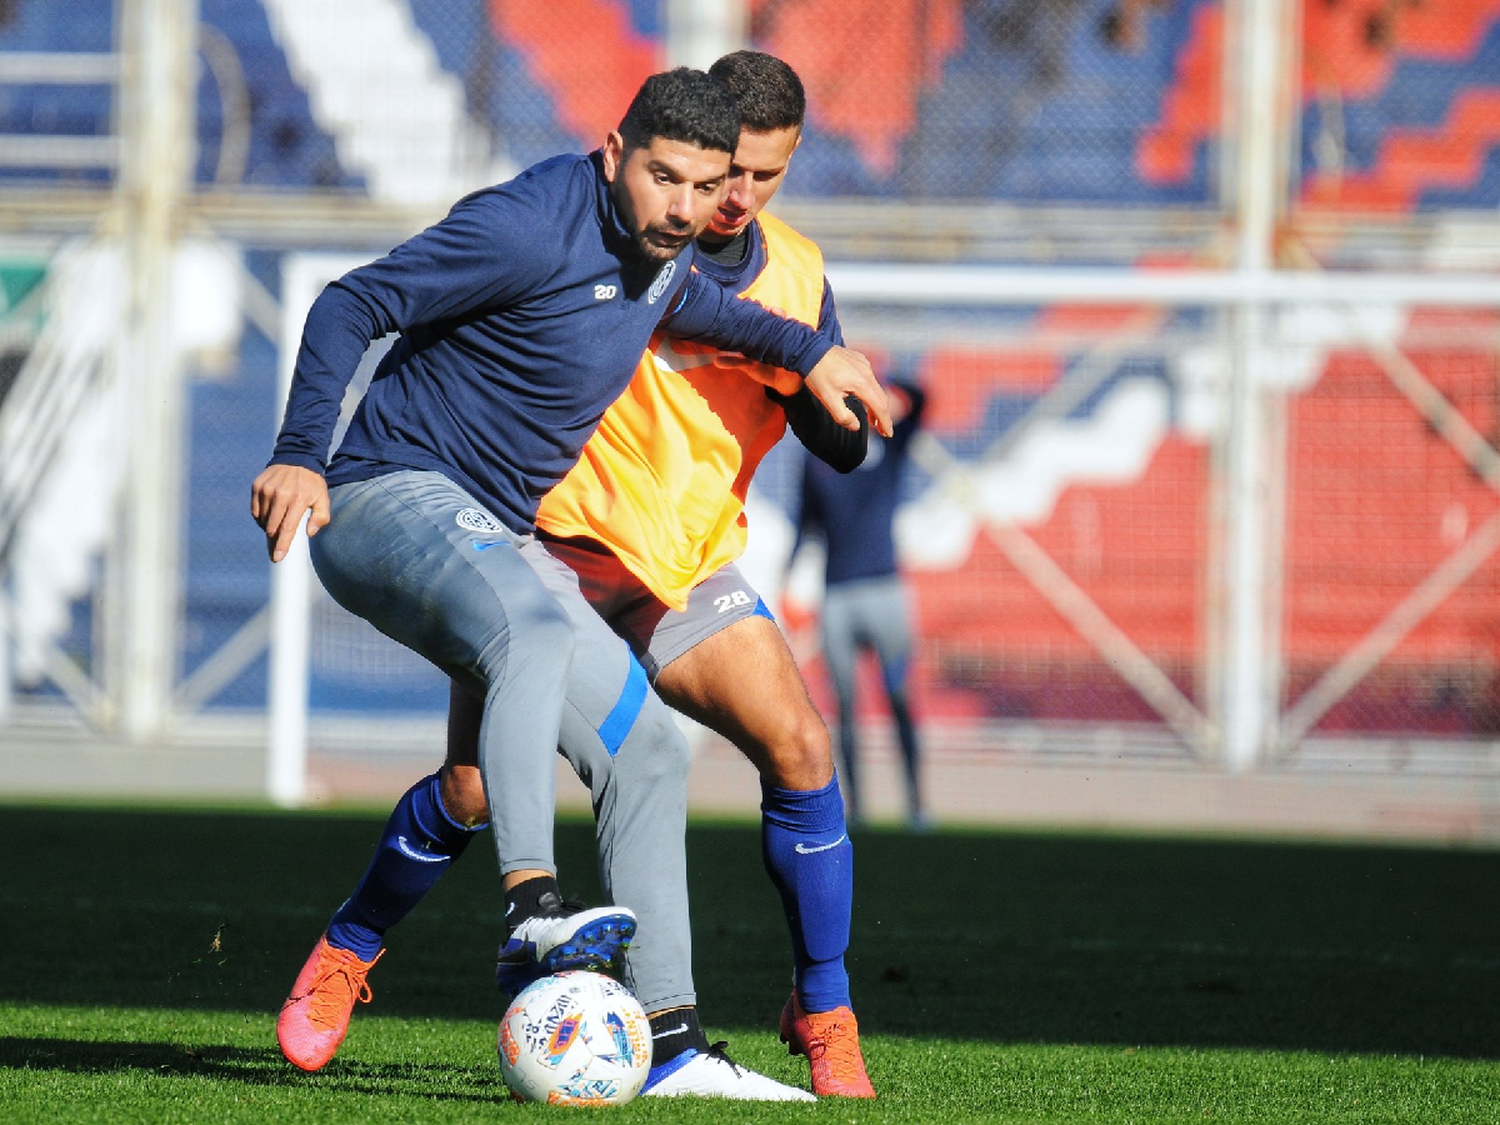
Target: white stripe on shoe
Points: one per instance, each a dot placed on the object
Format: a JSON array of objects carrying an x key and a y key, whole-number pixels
[{"x": 712, "y": 1074}]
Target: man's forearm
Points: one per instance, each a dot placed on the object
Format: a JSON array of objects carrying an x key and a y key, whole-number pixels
[
  {"x": 711, "y": 315},
  {"x": 333, "y": 343}
]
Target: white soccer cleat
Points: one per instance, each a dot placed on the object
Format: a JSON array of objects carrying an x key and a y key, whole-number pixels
[
  {"x": 560, "y": 937},
  {"x": 713, "y": 1074}
]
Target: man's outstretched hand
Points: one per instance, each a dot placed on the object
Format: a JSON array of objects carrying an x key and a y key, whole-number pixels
[
  {"x": 278, "y": 498},
  {"x": 844, "y": 372}
]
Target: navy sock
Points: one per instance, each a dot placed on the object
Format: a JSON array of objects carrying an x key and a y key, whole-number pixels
[
  {"x": 420, "y": 842},
  {"x": 805, "y": 844}
]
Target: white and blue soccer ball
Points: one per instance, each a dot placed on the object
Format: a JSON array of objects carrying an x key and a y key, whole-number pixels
[{"x": 577, "y": 1038}]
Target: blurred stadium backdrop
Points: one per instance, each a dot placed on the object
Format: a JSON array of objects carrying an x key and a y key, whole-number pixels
[{"x": 1205, "y": 526}]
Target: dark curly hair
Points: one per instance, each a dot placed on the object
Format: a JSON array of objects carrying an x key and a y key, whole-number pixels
[
  {"x": 768, "y": 91},
  {"x": 682, "y": 105}
]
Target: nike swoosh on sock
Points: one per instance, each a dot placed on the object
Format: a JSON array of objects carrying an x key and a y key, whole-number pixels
[
  {"x": 406, "y": 849},
  {"x": 810, "y": 849}
]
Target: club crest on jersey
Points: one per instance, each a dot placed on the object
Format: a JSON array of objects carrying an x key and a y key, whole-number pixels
[
  {"x": 663, "y": 279},
  {"x": 472, "y": 519}
]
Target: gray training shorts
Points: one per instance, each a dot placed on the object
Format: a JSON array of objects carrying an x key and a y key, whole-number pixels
[{"x": 656, "y": 634}]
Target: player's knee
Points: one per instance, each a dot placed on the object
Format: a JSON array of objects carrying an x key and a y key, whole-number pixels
[
  {"x": 462, "y": 791},
  {"x": 798, "y": 754}
]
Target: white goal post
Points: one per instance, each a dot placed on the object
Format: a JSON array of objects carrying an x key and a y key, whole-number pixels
[
  {"x": 303, "y": 277},
  {"x": 1243, "y": 694}
]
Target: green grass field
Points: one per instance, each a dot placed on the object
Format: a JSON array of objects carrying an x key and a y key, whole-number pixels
[{"x": 998, "y": 976}]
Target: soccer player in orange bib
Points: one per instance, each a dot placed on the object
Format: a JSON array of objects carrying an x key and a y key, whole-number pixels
[{"x": 652, "y": 519}]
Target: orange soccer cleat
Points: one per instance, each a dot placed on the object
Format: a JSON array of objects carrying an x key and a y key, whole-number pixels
[
  {"x": 830, "y": 1040},
  {"x": 316, "y": 1015}
]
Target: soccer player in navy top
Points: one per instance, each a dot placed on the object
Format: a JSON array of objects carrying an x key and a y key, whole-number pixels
[{"x": 521, "y": 315}]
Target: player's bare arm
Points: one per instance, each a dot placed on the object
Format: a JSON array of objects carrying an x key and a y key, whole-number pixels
[
  {"x": 846, "y": 372},
  {"x": 279, "y": 497}
]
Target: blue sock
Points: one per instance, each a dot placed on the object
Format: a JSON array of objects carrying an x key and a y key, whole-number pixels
[
  {"x": 419, "y": 843},
  {"x": 806, "y": 847}
]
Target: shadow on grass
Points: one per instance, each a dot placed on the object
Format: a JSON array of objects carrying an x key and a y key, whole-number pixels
[
  {"x": 252, "y": 1066},
  {"x": 1005, "y": 937},
  {"x": 98, "y": 1057}
]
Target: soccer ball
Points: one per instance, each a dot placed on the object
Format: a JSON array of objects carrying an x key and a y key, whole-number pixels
[{"x": 577, "y": 1038}]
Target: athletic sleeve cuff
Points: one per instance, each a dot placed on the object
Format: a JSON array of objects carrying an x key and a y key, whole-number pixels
[
  {"x": 821, "y": 346},
  {"x": 301, "y": 460}
]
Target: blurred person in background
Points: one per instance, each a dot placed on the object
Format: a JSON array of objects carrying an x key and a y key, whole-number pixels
[{"x": 866, "y": 606}]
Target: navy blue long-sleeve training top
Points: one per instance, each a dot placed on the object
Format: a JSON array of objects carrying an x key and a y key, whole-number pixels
[{"x": 522, "y": 316}]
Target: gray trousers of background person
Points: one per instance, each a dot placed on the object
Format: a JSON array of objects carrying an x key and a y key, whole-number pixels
[
  {"x": 419, "y": 558},
  {"x": 874, "y": 614}
]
